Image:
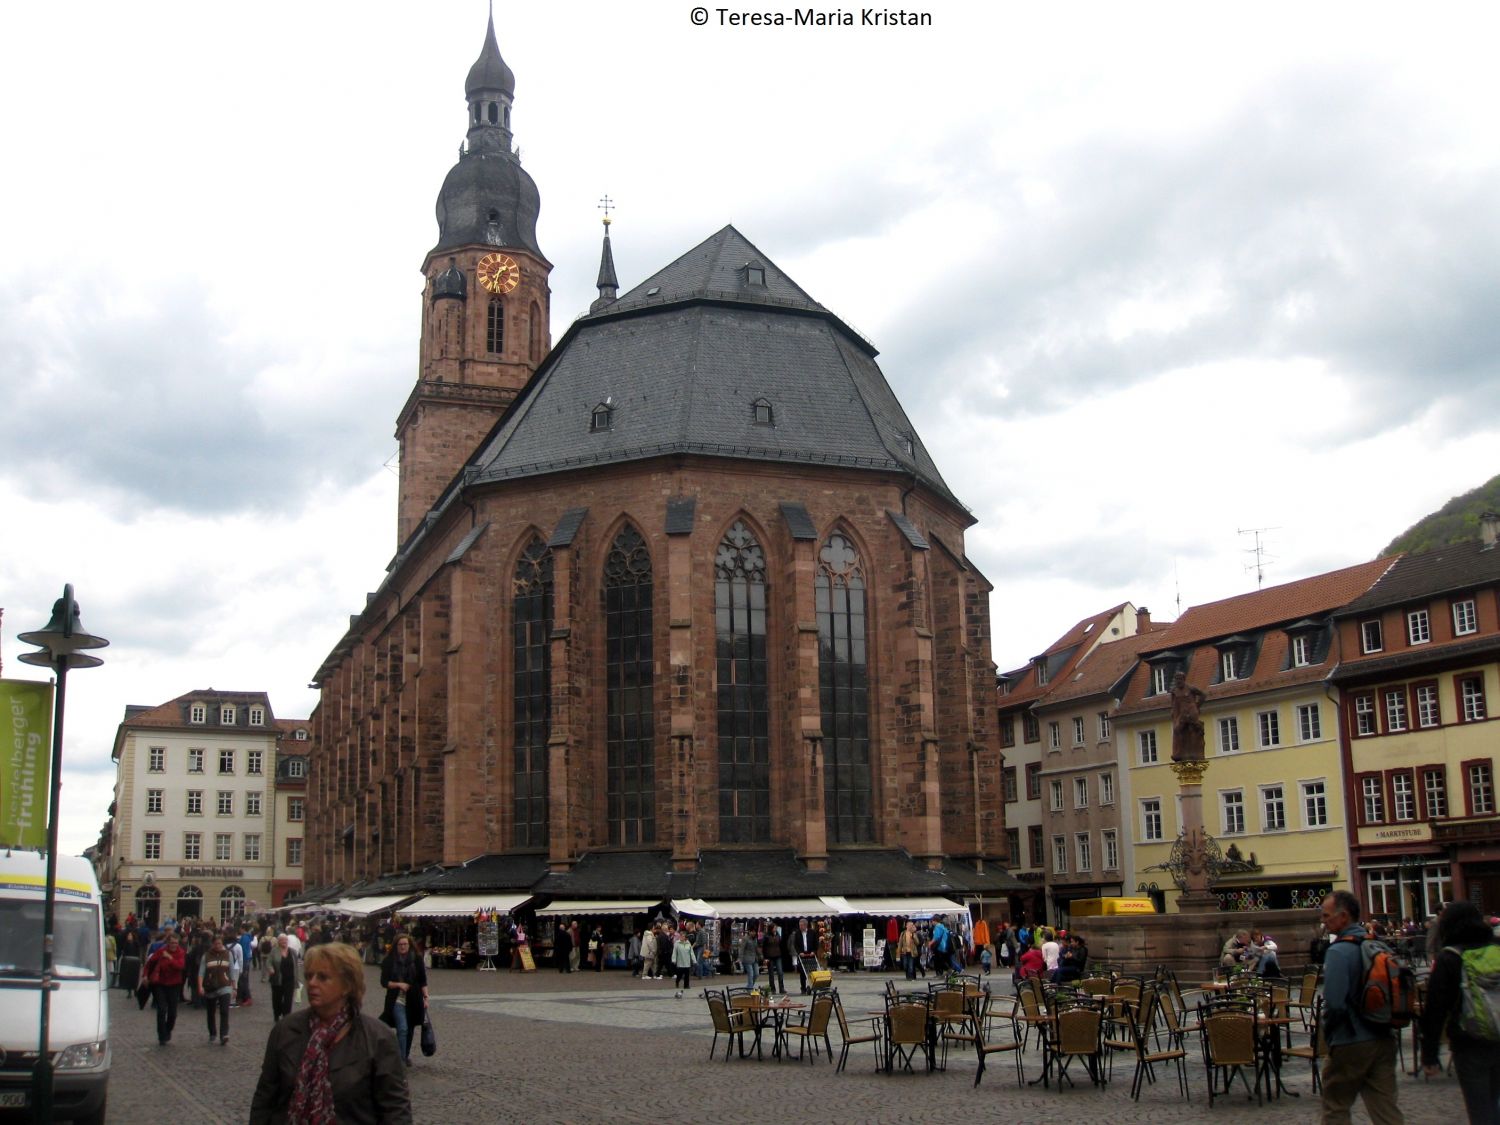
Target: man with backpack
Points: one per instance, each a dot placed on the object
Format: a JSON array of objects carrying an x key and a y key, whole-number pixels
[{"x": 1361, "y": 1051}]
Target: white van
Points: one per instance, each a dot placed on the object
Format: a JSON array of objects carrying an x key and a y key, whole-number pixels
[{"x": 78, "y": 1036}]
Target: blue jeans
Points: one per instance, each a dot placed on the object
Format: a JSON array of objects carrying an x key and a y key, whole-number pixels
[
  {"x": 909, "y": 963},
  {"x": 752, "y": 970},
  {"x": 773, "y": 974},
  {"x": 403, "y": 1029}
]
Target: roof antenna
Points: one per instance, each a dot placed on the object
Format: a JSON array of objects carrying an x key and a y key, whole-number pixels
[{"x": 1260, "y": 553}]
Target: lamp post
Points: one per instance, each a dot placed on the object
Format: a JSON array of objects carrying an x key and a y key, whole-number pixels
[{"x": 62, "y": 641}]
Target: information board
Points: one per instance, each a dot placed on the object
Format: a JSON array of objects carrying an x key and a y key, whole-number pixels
[
  {"x": 528, "y": 963},
  {"x": 489, "y": 938},
  {"x": 869, "y": 954}
]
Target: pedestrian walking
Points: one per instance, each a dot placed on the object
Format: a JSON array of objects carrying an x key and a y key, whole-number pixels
[
  {"x": 329, "y": 1061},
  {"x": 1464, "y": 938},
  {"x": 1361, "y": 1055},
  {"x": 404, "y": 978},
  {"x": 648, "y": 954},
  {"x": 165, "y": 970},
  {"x": 216, "y": 982},
  {"x": 283, "y": 977},
  {"x": 750, "y": 956},
  {"x": 682, "y": 961},
  {"x": 770, "y": 946}
]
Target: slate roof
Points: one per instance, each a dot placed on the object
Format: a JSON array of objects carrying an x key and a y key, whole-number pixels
[
  {"x": 175, "y": 713},
  {"x": 681, "y": 368},
  {"x": 727, "y": 873},
  {"x": 1414, "y": 578}
]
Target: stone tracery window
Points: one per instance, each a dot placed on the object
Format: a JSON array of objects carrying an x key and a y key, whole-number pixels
[
  {"x": 843, "y": 684},
  {"x": 531, "y": 681},
  {"x": 630, "y": 723},
  {"x": 743, "y": 688}
]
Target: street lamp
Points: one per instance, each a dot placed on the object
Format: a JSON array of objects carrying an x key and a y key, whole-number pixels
[{"x": 62, "y": 641}]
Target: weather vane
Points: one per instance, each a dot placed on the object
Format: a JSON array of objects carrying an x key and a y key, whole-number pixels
[{"x": 606, "y": 204}]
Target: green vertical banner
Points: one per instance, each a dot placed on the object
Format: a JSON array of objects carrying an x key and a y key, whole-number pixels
[{"x": 26, "y": 750}]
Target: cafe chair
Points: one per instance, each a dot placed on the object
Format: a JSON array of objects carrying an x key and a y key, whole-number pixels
[
  {"x": 1076, "y": 1034},
  {"x": 1145, "y": 1058},
  {"x": 1031, "y": 1014},
  {"x": 814, "y": 1025},
  {"x": 1316, "y": 1049},
  {"x": 1229, "y": 1037},
  {"x": 869, "y": 1031},
  {"x": 906, "y": 1033},
  {"x": 987, "y": 1043},
  {"x": 1301, "y": 1004},
  {"x": 731, "y": 1024},
  {"x": 1095, "y": 986}
]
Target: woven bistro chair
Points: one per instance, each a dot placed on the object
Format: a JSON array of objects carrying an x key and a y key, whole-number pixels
[
  {"x": 1145, "y": 1058},
  {"x": 870, "y": 1030},
  {"x": 730, "y": 1023},
  {"x": 1031, "y": 1016},
  {"x": 1229, "y": 1035},
  {"x": 1077, "y": 1035},
  {"x": 1301, "y": 1004},
  {"x": 1095, "y": 986},
  {"x": 906, "y": 1033},
  {"x": 1316, "y": 1049},
  {"x": 814, "y": 1026},
  {"x": 965, "y": 1030},
  {"x": 990, "y": 1039}
]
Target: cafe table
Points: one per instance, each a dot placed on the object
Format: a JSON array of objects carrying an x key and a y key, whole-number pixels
[{"x": 773, "y": 1014}]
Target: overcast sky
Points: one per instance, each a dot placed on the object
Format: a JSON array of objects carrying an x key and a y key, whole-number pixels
[{"x": 1143, "y": 276}]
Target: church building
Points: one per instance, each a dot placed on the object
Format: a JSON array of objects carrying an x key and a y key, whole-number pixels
[{"x": 680, "y": 605}]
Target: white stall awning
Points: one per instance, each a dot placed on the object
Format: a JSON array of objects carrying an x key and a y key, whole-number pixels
[
  {"x": 695, "y": 907},
  {"x": 362, "y": 906},
  {"x": 599, "y": 906},
  {"x": 461, "y": 906},
  {"x": 771, "y": 907},
  {"x": 917, "y": 906}
]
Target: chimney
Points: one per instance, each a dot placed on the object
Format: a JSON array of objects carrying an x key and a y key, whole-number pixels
[
  {"x": 1489, "y": 529},
  {"x": 1143, "y": 620}
]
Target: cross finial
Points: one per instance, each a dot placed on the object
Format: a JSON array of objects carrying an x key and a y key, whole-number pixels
[{"x": 606, "y": 204}]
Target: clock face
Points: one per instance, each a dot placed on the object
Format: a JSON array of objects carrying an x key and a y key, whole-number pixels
[{"x": 499, "y": 273}]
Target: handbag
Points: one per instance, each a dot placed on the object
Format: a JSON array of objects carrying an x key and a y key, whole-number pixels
[{"x": 429, "y": 1037}]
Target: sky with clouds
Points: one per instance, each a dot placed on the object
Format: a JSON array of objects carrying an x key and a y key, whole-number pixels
[{"x": 1142, "y": 275}]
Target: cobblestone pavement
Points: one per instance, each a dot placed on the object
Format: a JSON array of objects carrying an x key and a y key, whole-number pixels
[{"x": 588, "y": 1047}]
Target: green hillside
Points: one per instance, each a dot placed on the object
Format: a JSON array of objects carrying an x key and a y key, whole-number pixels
[{"x": 1455, "y": 521}]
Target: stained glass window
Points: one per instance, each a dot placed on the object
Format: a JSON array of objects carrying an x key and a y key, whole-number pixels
[
  {"x": 743, "y": 692},
  {"x": 629, "y": 738},
  {"x": 531, "y": 680},
  {"x": 843, "y": 683}
]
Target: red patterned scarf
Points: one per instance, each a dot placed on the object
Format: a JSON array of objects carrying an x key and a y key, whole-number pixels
[{"x": 312, "y": 1103}]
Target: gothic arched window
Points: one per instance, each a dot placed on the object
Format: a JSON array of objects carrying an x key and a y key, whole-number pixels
[
  {"x": 494, "y": 329},
  {"x": 531, "y": 690},
  {"x": 743, "y": 692},
  {"x": 630, "y": 724},
  {"x": 536, "y": 333},
  {"x": 843, "y": 687}
]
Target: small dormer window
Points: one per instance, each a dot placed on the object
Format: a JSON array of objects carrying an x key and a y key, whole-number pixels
[
  {"x": 300, "y": 736},
  {"x": 602, "y": 418},
  {"x": 908, "y": 445},
  {"x": 197, "y": 713},
  {"x": 1229, "y": 664},
  {"x": 257, "y": 716},
  {"x": 762, "y": 413},
  {"x": 226, "y": 715},
  {"x": 755, "y": 274}
]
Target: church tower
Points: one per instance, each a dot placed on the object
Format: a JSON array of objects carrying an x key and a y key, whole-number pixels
[{"x": 485, "y": 302}]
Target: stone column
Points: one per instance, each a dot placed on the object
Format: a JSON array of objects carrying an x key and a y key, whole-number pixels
[{"x": 1197, "y": 896}]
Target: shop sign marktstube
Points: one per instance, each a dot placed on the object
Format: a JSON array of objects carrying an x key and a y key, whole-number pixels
[{"x": 26, "y": 710}]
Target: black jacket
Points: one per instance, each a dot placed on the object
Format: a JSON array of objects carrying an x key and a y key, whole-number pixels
[
  {"x": 364, "y": 1069},
  {"x": 410, "y": 971}
]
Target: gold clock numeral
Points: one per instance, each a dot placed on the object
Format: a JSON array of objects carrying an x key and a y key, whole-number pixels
[{"x": 499, "y": 273}]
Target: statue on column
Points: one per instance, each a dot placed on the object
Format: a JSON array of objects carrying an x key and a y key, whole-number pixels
[{"x": 1187, "y": 724}]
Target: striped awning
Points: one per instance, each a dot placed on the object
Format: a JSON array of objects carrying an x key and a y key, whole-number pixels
[
  {"x": 461, "y": 906},
  {"x": 359, "y": 907},
  {"x": 593, "y": 906}
]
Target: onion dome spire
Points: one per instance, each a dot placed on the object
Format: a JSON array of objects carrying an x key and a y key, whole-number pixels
[{"x": 608, "y": 283}]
